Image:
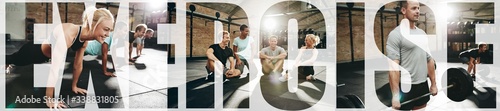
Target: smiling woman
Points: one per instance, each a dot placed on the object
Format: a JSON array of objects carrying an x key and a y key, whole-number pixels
[{"x": 97, "y": 23}]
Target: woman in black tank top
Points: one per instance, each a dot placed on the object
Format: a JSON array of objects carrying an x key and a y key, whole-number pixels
[
  {"x": 307, "y": 57},
  {"x": 97, "y": 23}
]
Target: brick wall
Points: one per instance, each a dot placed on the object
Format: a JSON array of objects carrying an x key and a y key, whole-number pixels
[
  {"x": 343, "y": 38},
  {"x": 343, "y": 35},
  {"x": 75, "y": 11}
]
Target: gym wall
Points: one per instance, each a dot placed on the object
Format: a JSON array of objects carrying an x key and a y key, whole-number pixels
[
  {"x": 343, "y": 35},
  {"x": 37, "y": 11},
  {"x": 389, "y": 23}
]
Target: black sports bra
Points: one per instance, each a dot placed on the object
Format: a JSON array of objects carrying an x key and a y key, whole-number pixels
[{"x": 77, "y": 44}]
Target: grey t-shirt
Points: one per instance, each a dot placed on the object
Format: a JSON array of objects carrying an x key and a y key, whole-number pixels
[
  {"x": 269, "y": 52},
  {"x": 412, "y": 58}
]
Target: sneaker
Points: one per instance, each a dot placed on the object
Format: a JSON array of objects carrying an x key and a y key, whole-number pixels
[
  {"x": 473, "y": 77},
  {"x": 284, "y": 78},
  {"x": 243, "y": 75},
  {"x": 8, "y": 69},
  {"x": 209, "y": 74}
]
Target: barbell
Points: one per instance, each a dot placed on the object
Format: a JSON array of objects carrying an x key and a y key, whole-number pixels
[{"x": 459, "y": 87}]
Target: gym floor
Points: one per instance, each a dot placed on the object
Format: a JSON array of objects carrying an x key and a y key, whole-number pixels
[
  {"x": 145, "y": 93},
  {"x": 237, "y": 90}
]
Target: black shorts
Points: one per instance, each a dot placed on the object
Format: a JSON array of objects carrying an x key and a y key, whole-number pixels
[
  {"x": 465, "y": 60},
  {"x": 28, "y": 54},
  {"x": 415, "y": 91}
]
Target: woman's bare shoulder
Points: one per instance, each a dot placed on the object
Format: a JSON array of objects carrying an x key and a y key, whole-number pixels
[
  {"x": 70, "y": 29},
  {"x": 69, "y": 26}
]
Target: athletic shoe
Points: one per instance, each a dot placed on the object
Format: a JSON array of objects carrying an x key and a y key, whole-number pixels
[
  {"x": 285, "y": 77},
  {"x": 8, "y": 69},
  {"x": 210, "y": 75},
  {"x": 474, "y": 77}
]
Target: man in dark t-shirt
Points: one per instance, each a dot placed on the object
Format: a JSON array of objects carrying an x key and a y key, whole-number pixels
[
  {"x": 473, "y": 57},
  {"x": 219, "y": 54}
]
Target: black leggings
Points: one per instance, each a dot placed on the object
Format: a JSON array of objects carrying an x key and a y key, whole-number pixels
[
  {"x": 305, "y": 71},
  {"x": 28, "y": 54}
]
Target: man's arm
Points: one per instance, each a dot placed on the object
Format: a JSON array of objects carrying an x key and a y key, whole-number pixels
[
  {"x": 235, "y": 50},
  {"x": 394, "y": 76},
  {"x": 231, "y": 62},
  {"x": 474, "y": 62},
  {"x": 431, "y": 71},
  {"x": 478, "y": 60},
  {"x": 210, "y": 54},
  {"x": 393, "y": 46},
  {"x": 230, "y": 73},
  {"x": 282, "y": 55},
  {"x": 262, "y": 55}
]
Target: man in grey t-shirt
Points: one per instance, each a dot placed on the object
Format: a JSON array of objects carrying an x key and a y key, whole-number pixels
[
  {"x": 412, "y": 58},
  {"x": 272, "y": 57}
]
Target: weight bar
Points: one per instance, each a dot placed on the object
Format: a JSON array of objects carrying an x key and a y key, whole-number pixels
[
  {"x": 427, "y": 94},
  {"x": 341, "y": 84},
  {"x": 459, "y": 86}
]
